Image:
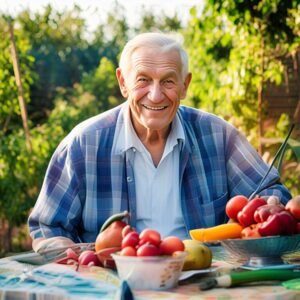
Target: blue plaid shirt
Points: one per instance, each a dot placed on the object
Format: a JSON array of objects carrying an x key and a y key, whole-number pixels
[{"x": 89, "y": 179}]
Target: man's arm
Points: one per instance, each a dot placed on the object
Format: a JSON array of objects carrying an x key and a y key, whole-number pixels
[
  {"x": 57, "y": 211},
  {"x": 43, "y": 244},
  {"x": 246, "y": 169}
]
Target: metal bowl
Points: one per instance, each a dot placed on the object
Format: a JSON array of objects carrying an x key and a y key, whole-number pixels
[{"x": 265, "y": 251}]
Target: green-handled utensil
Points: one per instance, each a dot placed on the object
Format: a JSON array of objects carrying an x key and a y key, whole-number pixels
[{"x": 243, "y": 277}]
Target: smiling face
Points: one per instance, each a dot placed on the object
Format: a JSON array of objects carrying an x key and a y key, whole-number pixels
[{"x": 154, "y": 85}]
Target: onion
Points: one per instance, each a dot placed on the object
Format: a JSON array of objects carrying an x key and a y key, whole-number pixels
[
  {"x": 70, "y": 258},
  {"x": 87, "y": 258},
  {"x": 71, "y": 254},
  {"x": 274, "y": 200}
]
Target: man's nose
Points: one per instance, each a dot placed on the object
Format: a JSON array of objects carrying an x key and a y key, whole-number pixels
[{"x": 155, "y": 92}]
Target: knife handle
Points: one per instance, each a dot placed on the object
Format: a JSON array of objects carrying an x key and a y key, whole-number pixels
[{"x": 236, "y": 278}]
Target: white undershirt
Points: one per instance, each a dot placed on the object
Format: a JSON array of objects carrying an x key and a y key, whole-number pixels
[{"x": 157, "y": 188}]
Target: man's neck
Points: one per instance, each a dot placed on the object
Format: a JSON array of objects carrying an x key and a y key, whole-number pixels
[{"x": 153, "y": 140}]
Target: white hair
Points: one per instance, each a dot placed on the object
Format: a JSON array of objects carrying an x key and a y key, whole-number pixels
[{"x": 166, "y": 42}]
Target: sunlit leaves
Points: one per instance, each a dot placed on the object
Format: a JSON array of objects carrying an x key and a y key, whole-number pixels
[
  {"x": 9, "y": 105},
  {"x": 233, "y": 52},
  {"x": 102, "y": 83}
]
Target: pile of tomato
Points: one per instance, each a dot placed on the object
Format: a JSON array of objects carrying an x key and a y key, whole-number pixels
[
  {"x": 265, "y": 217},
  {"x": 148, "y": 243}
]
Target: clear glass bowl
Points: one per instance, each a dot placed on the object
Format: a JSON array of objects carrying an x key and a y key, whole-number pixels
[{"x": 150, "y": 272}]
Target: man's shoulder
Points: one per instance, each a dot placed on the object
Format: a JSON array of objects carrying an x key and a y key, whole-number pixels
[
  {"x": 198, "y": 117},
  {"x": 105, "y": 120}
]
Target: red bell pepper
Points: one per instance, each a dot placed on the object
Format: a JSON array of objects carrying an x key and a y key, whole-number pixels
[
  {"x": 263, "y": 212},
  {"x": 246, "y": 215},
  {"x": 288, "y": 223},
  {"x": 270, "y": 227},
  {"x": 281, "y": 223}
]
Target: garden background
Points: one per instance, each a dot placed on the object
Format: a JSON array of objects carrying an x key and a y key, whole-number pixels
[{"x": 244, "y": 56}]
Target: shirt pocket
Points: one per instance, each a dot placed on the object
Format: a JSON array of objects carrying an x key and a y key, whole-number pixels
[{"x": 213, "y": 213}]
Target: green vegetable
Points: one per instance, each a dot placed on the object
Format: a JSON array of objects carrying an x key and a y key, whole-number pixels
[
  {"x": 236, "y": 278},
  {"x": 115, "y": 217}
]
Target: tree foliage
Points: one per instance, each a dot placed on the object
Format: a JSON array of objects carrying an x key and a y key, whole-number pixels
[
  {"x": 234, "y": 52},
  {"x": 61, "y": 54},
  {"x": 151, "y": 22},
  {"x": 235, "y": 48},
  {"x": 9, "y": 108}
]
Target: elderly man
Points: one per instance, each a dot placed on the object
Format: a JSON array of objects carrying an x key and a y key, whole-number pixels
[{"x": 172, "y": 167}]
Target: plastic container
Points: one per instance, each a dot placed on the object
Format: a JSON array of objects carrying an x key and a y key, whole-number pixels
[{"x": 150, "y": 272}]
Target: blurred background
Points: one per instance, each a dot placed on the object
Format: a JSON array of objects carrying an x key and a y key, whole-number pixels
[{"x": 57, "y": 68}]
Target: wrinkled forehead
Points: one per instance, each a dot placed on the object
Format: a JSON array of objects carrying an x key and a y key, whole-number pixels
[{"x": 154, "y": 56}]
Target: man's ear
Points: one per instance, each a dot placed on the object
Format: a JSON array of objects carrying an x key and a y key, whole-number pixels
[
  {"x": 121, "y": 81},
  {"x": 186, "y": 84}
]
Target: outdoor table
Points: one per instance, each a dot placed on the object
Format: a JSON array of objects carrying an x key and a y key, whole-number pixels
[{"x": 61, "y": 282}]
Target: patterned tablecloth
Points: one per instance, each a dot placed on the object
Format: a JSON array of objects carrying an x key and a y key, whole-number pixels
[
  {"x": 191, "y": 292},
  {"x": 60, "y": 282}
]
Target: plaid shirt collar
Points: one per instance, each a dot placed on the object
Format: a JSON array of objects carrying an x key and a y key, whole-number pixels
[{"x": 127, "y": 137}]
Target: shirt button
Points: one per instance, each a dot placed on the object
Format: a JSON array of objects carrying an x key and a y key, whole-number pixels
[
  {"x": 133, "y": 149},
  {"x": 129, "y": 179}
]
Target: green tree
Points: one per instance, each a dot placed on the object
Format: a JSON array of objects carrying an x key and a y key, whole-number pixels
[
  {"x": 102, "y": 83},
  {"x": 9, "y": 105},
  {"x": 111, "y": 36},
  {"x": 61, "y": 52},
  {"x": 152, "y": 22},
  {"x": 15, "y": 160},
  {"x": 233, "y": 54},
  {"x": 21, "y": 173},
  {"x": 235, "y": 48}
]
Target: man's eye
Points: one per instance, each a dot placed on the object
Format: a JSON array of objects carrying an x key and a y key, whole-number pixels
[
  {"x": 142, "y": 79},
  {"x": 168, "y": 82}
]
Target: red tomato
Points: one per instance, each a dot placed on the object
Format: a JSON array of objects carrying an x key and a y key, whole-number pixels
[
  {"x": 126, "y": 230},
  {"x": 148, "y": 250},
  {"x": 131, "y": 239},
  {"x": 128, "y": 251},
  {"x": 293, "y": 206},
  {"x": 150, "y": 235},
  {"x": 246, "y": 215},
  {"x": 235, "y": 205},
  {"x": 142, "y": 242},
  {"x": 171, "y": 244}
]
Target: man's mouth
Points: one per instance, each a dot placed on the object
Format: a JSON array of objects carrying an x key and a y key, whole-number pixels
[{"x": 155, "y": 108}]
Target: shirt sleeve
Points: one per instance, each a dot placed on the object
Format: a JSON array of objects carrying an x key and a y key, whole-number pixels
[
  {"x": 58, "y": 209},
  {"x": 246, "y": 169}
]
